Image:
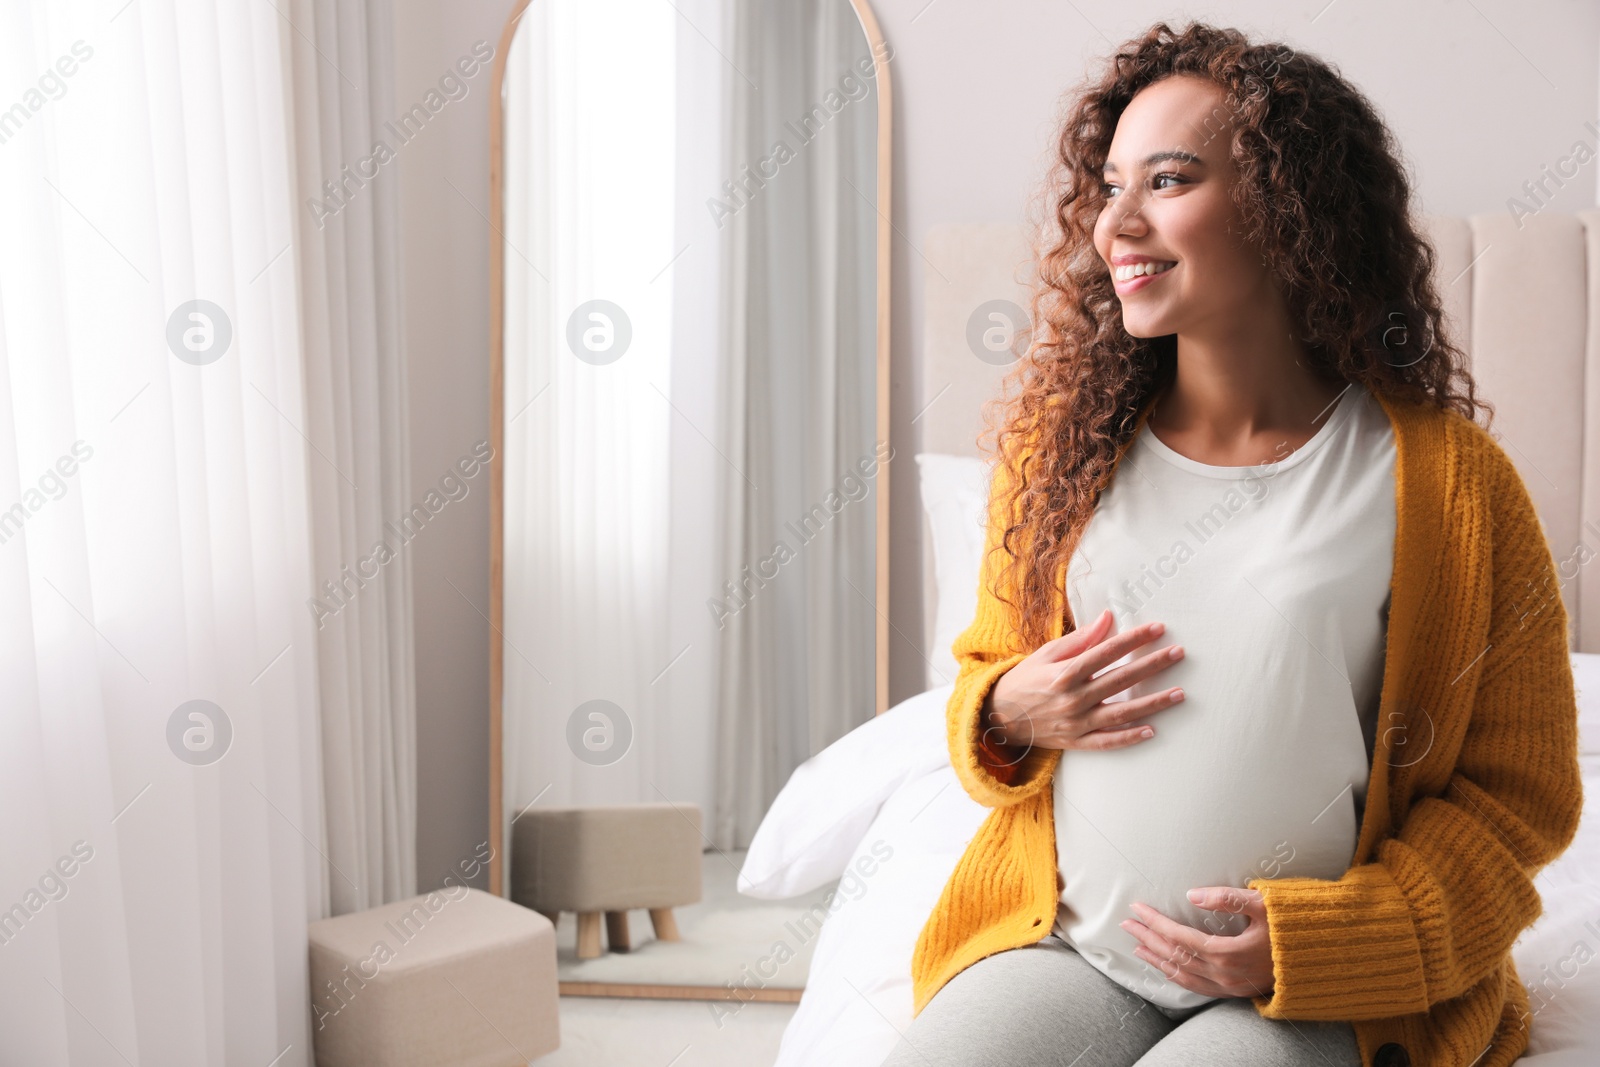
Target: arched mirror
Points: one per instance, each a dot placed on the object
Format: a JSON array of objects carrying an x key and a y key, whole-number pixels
[{"x": 690, "y": 478}]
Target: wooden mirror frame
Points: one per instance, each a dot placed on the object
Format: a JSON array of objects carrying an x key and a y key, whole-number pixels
[{"x": 874, "y": 36}]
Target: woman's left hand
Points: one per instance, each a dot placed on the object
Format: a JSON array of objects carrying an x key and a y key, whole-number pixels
[{"x": 1213, "y": 965}]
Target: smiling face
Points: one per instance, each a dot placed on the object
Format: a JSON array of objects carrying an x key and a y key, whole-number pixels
[{"x": 1169, "y": 210}]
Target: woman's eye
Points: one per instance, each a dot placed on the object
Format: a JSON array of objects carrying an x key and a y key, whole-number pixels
[{"x": 1109, "y": 190}]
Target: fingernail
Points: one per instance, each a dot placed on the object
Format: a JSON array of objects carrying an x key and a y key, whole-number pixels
[
  {"x": 1157, "y": 629},
  {"x": 1177, "y": 695},
  {"x": 1177, "y": 650}
]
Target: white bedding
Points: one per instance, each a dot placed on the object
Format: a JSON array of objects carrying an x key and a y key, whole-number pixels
[{"x": 858, "y": 994}]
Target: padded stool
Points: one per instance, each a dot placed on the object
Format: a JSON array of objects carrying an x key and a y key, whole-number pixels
[
  {"x": 593, "y": 860},
  {"x": 456, "y": 976}
]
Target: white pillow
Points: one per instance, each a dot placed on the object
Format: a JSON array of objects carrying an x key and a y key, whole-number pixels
[
  {"x": 1586, "y": 676},
  {"x": 857, "y": 997},
  {"x": 808, "y": 835},
  {"x": 955, "y": 498},
  {"x": 1554, "y": 955}
]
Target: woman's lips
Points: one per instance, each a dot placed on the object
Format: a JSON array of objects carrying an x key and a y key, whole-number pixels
[{"x": 1135, "y": 284}]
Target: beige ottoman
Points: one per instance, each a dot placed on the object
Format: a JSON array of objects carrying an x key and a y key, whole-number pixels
[
  {"x": 593, "y": 860},
  {"x": 457, "y": 976}
]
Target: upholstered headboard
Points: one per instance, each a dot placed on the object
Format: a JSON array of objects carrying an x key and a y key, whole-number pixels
[{"x": 1524, "y": 300}]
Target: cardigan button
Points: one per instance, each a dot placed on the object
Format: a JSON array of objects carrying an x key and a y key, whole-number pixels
[{"x": 1391, "y": 1055}]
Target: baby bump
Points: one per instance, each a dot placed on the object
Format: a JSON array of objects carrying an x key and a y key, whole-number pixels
[{"x": 1212, "y": 799}]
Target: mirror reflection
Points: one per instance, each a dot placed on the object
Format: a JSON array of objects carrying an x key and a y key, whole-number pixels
[{"x": 693, "y": 450}]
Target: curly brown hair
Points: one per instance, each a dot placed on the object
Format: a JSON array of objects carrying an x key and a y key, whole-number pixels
[{"x": 1322, "y": 190}]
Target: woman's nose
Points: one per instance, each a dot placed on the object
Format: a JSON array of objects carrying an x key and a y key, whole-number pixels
[{"x": 1128, "y": 209}]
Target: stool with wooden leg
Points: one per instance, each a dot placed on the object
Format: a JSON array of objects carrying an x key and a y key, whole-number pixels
[
  {"x": 466, "y": 977},
  {"x": 588, "y": 935},
  {"x": 617, "y": 931},
  {"x": 665, "y": 925},
  {"x": 608, "y": 860}
]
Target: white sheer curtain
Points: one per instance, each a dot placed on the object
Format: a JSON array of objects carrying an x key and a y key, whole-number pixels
[
  {"x": 798, "y": 658},
  {"x": 343, "y": 81},
  {"x": 157, "y": 465},
  {"x": 607, "y": 556}
]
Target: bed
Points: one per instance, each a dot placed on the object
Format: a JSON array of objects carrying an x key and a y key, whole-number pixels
[{"x": 881, "y": 811}]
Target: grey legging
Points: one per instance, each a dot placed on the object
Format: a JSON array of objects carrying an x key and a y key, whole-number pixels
[{"x": 1044, "y": 1004}]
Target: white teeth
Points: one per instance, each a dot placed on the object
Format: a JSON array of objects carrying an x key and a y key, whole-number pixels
[{"x": 1136, "y": 270}]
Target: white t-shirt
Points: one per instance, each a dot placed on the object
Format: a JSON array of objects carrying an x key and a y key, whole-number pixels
[{"x": 1275, "y": 580}]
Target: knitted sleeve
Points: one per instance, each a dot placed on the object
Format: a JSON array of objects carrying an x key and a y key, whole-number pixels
[
  {"x": 994, "y": 774},
  {"x": 1447, "y": 895}
]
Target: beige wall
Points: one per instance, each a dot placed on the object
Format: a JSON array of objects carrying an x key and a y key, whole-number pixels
[
  {"x": 1481, "y": 96},
  {"x": 445, "y": 253}
]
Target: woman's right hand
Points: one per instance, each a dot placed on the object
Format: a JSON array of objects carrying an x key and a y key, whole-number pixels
[{"x": 1053, "y": 700}]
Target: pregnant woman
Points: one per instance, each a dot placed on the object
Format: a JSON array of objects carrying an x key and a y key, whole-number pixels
[{"x": 1269, "y": 682}]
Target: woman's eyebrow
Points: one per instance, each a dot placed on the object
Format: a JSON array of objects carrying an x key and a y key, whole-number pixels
[{"x": 1161, "y": 157}]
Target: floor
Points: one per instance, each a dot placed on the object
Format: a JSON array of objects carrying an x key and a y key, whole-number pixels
[
  {"x": 725, "y": 936},
  {"x": 603, "y": 1032}
]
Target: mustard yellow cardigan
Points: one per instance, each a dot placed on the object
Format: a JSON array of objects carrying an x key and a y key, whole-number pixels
[{"x": 1475, "y": 784}]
